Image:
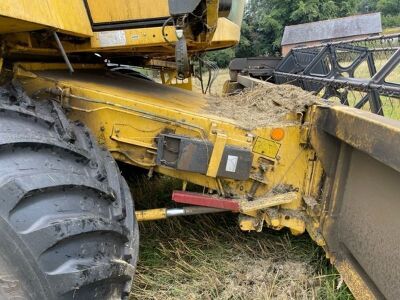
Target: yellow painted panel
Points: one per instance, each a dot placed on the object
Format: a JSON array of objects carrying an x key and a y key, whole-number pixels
[
  {"x": 103, "y": 11},
  {"x": 141, "y": 37},
  {"x": 226, "y": 31},
  {"x": 151, "y": 214},
  {"x": 67, "y": 16},
  {"x": 147, "y": 109},
  {"x": 266, "y": 147},
  {"x": 226, "y": 35},
  {"x": 127, "y": 115},
  {"x": 216, "y": 156},
  {"x": 9, "y": 25}
]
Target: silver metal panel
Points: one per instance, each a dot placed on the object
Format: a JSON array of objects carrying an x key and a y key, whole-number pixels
[{"x": 367, "y": 24}]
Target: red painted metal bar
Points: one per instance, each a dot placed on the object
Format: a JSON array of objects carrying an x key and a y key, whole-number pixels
[{"x": 205, "y": 200}]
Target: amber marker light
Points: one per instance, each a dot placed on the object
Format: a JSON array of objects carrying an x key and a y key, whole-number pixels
[{"x": 277, "y": 134}]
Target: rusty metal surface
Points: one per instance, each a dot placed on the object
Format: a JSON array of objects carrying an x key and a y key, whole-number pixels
[{"x": 361, "y": 224}]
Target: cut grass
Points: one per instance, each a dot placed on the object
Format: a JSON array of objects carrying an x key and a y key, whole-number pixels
[
  {"x": 390, "y": 105},
  {"x": 209, "y": 257}
]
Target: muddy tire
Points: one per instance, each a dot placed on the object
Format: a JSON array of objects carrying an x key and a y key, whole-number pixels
[{"x": 67, "y": 225}]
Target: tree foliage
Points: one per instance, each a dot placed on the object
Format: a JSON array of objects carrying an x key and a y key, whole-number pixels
[
  {"x": 221, "y": 57},
  {"x": 390, "y": 10},
  {"x": 265, "y": 20}
]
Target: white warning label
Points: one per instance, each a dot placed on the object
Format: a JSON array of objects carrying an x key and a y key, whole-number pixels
[
  {"x": 231, "y": 163},
  {"x": 112, "y": 38}
]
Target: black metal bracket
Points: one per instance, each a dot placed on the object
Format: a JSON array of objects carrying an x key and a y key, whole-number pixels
[{"x": 319, "y": 69}]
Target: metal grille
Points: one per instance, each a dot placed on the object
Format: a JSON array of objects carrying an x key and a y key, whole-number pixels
[{"x": 364, "y": 73}]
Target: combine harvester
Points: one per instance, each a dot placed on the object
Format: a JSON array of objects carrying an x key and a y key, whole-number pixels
[{"x": 71, "y": 103}]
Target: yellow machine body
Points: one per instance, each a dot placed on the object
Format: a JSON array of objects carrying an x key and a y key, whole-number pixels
[
  {"x": 29, "y": 15},
  {"x": 128, "y": 116},
  {"x": 107, "y": 11},
  {"x": 319, "y": 176},
  {"x": 122, "y": 26}
]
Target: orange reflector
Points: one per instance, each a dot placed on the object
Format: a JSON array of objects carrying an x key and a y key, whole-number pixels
[{"x": 277, "y": 134}]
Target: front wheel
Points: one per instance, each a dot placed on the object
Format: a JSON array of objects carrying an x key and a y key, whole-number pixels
[{"x": 67, "y": 223}]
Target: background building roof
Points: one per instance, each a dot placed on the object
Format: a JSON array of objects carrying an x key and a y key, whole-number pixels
[{"x": 333, "y": 29}]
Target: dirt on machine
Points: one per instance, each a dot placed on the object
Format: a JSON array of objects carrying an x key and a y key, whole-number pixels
[
  {"x": 73, "y": 104},
  {"x": 263, "y": 104}
]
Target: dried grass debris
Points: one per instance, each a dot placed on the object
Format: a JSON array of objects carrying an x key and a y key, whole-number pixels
[{"x": 262, "y": 105}]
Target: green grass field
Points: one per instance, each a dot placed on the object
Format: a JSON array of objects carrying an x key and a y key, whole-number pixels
[
  {"x": 391, "y": 30},
  {"x": 209, "y": 257},
  {"x": 390, "y": 105}
]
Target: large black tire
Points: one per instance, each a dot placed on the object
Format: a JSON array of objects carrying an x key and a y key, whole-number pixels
[{"x": 67, "y": 224}]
